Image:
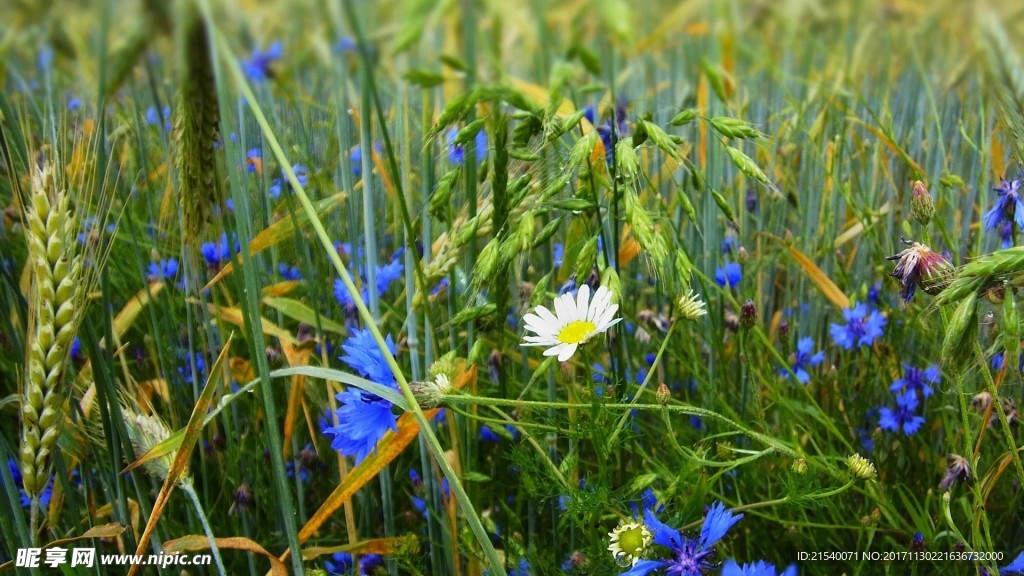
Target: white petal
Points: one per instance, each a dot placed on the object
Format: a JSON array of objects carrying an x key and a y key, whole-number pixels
[
  {"x": 536, "y": 323},
  {"x": 598, "y": 304},
  {"x": 567, "y": 351},
  {"x": 547, "y": 316},
  {"x": 565, "y": 309},
  {"x": 554, "y": 350},
  {"x": 582, "y": 302}
]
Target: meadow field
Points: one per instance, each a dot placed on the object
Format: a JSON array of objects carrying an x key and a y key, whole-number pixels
[{"x": 471, "y": 287}]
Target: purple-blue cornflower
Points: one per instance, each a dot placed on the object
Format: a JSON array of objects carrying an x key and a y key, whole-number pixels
[
  {"x": 363, "y": 417},
  {"x": 153, "y": 117},
  {"x": 216, "y": 254},
  {"x": 803, "y": 358},
  {"x": 687, "y": 556},
  {"x": 289, "y": 272},
  {"x": 1008, "y": 206},
  {"x": 902, "y": 418},
  {"x": 301, "y": 174},
  {"x": 863, "y": 325},
  {"x": 74, "y": 104},
  {"x": 917, "y": 380},
  {"x": 456, "y": 154},
  {"x": 253, "y": 160},
  {"x": 729, "y": 275},
  {"x": 759, "y": 568},
  {"x": 163, "y": 270},
  {"x": 1015, "y": 567},
  {"x": 257, "y": 66},
  {"x": 1006, "y": 234}
]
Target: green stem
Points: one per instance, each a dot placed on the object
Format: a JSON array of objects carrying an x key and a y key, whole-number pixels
[
  {"x": 636, "y": 397},
  {"x": 187, "y": 487}
]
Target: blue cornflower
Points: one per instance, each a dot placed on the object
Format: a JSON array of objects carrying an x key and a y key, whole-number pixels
[
  {"x": 1015, "y": 567},
  {"x": 523, "y": 569},
  {"x": 339, "y": 564},
  {"x": 1006, "y": 234},
  {"x": 648, "y": 501},
  {"x": 863, "y": 325},
  {"x": 363, "y": 356},
  {"x": 257, "y": 67},
  {"x": 342, "y": 296},
  {"x": 289, "y": 470},
  {"x": 45, "y": 59},
  {"x": 903, "y": 417},
  {"x": 253, "y": 160},
  {"x": 875, "y": 294},
  {"x": 301, "y": 174},
  {"x": 456, "y": 154},
  {"x": 345, "y": 44},
  {"x": 804, "y": 357},
  {"x": 74, "y": 104},
  {"x": 917, "y": 380},
  {"x": 216, "y": 254},
  {"x": 729, "y": 275},
  {"x": 729, "y": 245},
  {"x": 363, "y": 419},
  {"x": 163, "y": 270},
  {"x": 289, "y": 272},
  {"x": 760, "y": 568},
  {"x": 356, "y": 159},
  {"x": 387, "y": 274},
  {"x": 488, "y": 435},
  {"x": 186, "y": 371},
  {"x": 1008, "y": 206},
  {"x": 153, "y": 118},
  {"x": 688, "y": 556},
  {"x": 558, "y": 254},
  {"x": 440, "y": 286},
  {"x": 76, "y": 350}
]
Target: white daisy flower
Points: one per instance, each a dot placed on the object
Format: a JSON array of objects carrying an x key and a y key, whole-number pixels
[{"x": 574, "y": 322}]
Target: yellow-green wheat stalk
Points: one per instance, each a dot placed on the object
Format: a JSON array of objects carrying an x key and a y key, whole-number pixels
[{"x": 56, "y": 300}]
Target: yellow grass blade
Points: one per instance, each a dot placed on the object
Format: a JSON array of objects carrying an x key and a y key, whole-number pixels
[
  {"x": 820, "y": 279},
  {"x": 194, "y": 542}
]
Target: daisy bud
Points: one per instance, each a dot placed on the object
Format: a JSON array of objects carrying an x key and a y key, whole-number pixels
[
  {"x": 664, "y": 394},
  {"x": 748, "y": 315},
  {"x": 921, "y": 204},
  {"x": 799, "y": 466},
  {"x": 431, "y": 394},
  {"x": 861, "y": 467},
  {"x": 917, "y": 266}
]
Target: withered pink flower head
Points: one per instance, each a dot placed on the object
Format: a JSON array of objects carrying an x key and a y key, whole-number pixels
[{"x": 918, "y": 266}]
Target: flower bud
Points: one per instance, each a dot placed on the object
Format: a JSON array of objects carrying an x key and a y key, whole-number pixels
[
  {"x": 690, "y": 306},
  {"x": 861, "y": 467},
  {"x": 748, "y": 315},
  {"x": 664, "y": 394},
  {"x": 922, "y": 206},
  {"x": 799, "y": 466}
]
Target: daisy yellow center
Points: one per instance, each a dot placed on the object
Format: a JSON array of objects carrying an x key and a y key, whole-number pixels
[
  {"x": 632, "y": 541},
  {"x": 576, "y": 332}
]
